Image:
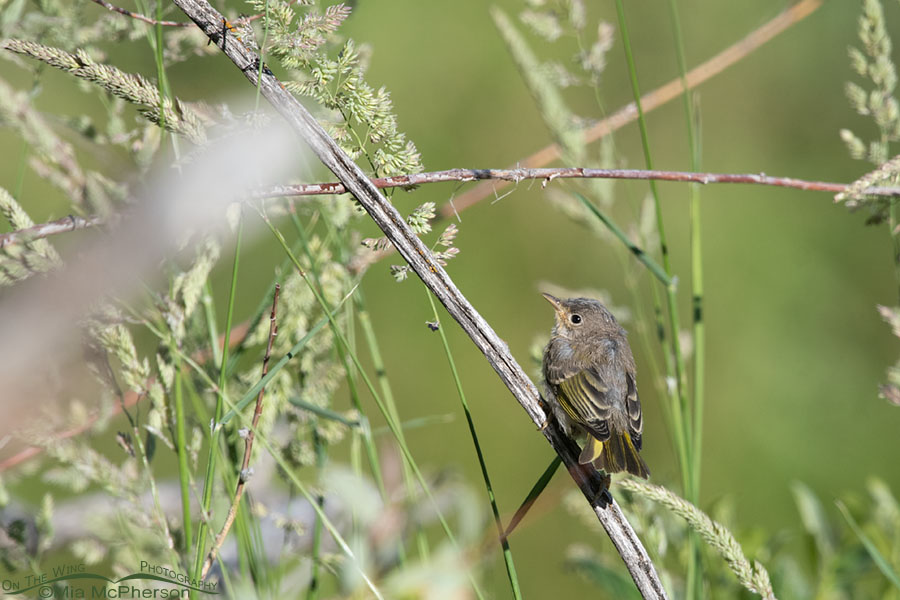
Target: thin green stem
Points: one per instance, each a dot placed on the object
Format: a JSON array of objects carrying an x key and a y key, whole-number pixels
[
  {"x": 694, "y": 584},
  {"x": 312, "y": 591},
  {"x": 638, "y": 252},
  {"x": 378, "y": 402},
  {"x": 536, "y": 490},
  {"x": 181, "y": 447},
  {"x": 208, "y": 484},
  {"x": 156, "y": 44},
  {"x": 316, "y": 286},
  {"x": 680, "y": 407},
  {"x": 504, "y": 541},
  {"x": 699, "y": 331},
  {"x": 883, "y": 564},
  {"x": 384, "y": 384}
]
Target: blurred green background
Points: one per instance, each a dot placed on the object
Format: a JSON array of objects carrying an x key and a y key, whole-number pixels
[{"x": 796, "y": 348}]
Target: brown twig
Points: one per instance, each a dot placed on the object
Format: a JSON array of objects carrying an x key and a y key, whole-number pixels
[
  {"x": 463, "y": 175},
  {"x": 245, "y": 472},
  {"x": 436, "y": 279},
  {"x": 653, "y": 99},
  {"x": 362, "y": 262},
  {"x": 549, "y": 174}
]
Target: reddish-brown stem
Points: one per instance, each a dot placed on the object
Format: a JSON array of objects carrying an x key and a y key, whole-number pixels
[
  {"x": 653, "y": 99},
  {"x": 463, "y": 175},
  {"x": 244, "y": 474},
  {"x": 549, "y": 174}
]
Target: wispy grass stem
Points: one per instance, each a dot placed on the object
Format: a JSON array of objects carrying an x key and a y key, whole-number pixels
[{"x": 504, "y": 541}]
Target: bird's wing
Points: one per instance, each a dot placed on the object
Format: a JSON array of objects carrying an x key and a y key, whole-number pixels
[
  {"x": 583, "y": 395},
  {"x": 633, "y": 409}
]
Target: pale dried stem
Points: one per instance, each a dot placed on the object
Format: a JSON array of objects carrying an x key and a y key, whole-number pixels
[
  {"x": 244, "y": 473},
  {"x": 433, "y": 275},
  {"x": 654, "y": 99},
  {"x": 72, "y": 223}
]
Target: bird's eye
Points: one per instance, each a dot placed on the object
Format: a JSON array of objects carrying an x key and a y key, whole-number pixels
[{"x": 576, "y": 319}]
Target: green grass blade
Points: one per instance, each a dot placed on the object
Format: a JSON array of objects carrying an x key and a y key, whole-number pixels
[
  {"x": 407, "y": 455},
  {"x": 617, "y": 231},
  {"x": 533, "y": 494},
  {"x": 695, "y": 566},
  {"x": 384, "y": 384},
  {"x": 324, "y": 412},
  {"x": 680, "y": 411},
  {"x": 183, "y": 470},
  {"x": 877, "y": 557},
  {"x": 206, "y": 499},
  {"x": 250, "y": 395},
  {"x": 316, "y": 287},
  {"x": 312, "y": 592},
  {"x": 504, "y": 541},
  {"x": 416, "y": 423}
]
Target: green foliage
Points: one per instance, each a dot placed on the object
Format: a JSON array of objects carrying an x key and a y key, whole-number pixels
[
  {"x": 336, "y": 80},
  {"x": 845, "y": 554},
  {"x": 420, "y": 221},
  {"x": 20, "y": 261},
  {"x": 874, "y": 64},
  {"x": 176, "y": 116},
  {"x": 146, "y": 352},
  {"x": 754, "y": 576}
]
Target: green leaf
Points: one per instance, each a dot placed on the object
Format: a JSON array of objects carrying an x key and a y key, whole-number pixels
[
  {"x": 536, "y": 490},
  {"x": 815, "y": 522},
  {"x": 880, "y": 561}
]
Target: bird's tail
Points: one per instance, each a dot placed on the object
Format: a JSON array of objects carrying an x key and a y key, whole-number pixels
[{"x": 616, "y": 454}]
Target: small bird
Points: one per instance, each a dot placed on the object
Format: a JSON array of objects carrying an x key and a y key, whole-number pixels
[{"x": 590, "y": 377}]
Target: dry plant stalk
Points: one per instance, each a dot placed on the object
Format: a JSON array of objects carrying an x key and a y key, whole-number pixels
[
  {"x": 753, "y": 577},
  {"x": 433, "y": 275},
  {"x": 249, "y": 436}
]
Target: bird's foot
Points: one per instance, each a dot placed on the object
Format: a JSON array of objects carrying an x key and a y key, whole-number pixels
[{"x": 603, "y": 497}]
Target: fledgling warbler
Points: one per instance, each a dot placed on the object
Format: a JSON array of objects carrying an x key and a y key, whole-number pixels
[{"x": 590, "y": 377}]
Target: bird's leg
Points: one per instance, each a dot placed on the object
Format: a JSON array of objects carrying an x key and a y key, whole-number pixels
[{"x": 603, "y": 497}]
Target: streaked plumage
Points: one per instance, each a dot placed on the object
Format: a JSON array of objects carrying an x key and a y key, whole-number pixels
[{"x": 590, "y": 376}]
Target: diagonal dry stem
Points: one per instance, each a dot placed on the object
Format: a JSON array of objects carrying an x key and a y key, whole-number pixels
[{"x": 433, "y": 275}]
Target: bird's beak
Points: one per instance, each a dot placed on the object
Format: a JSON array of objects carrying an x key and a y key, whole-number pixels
[
  {"x": 552, "y": 300},
  {"x": 557, "y": 304}
]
